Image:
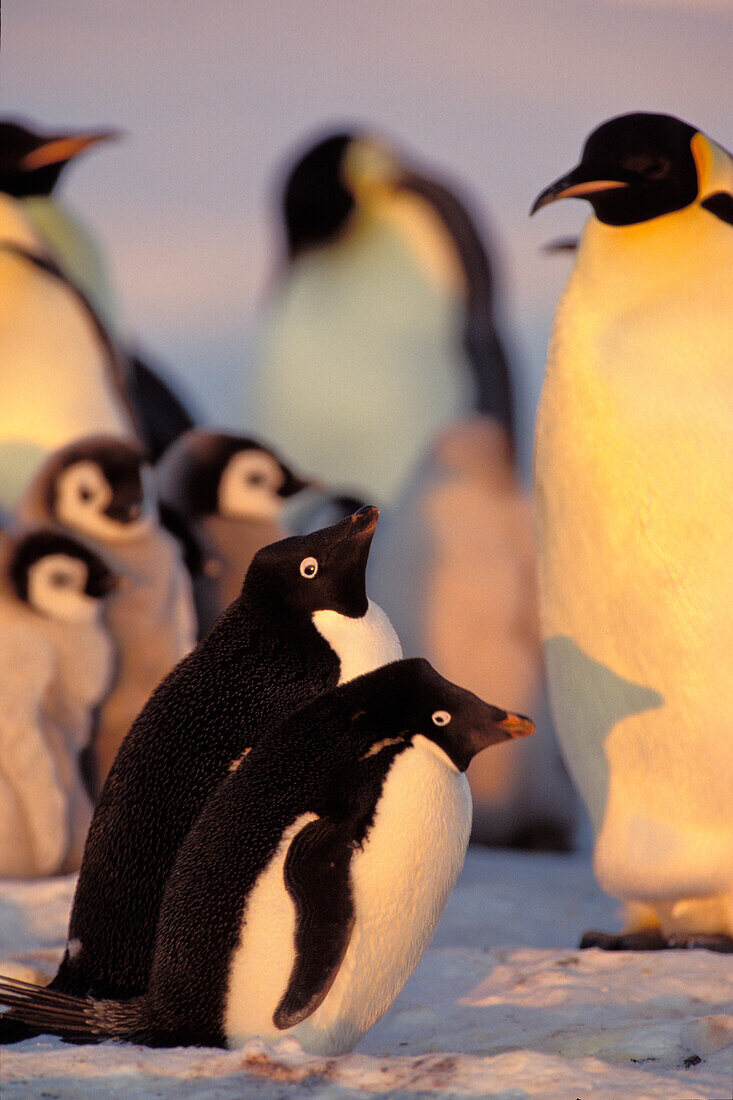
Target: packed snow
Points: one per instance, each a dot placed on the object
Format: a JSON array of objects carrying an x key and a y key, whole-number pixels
[{"x": 502, "y": 1006}]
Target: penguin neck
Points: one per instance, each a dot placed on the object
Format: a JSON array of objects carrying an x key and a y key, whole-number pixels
[
  {"x": 624, "y": 266},
  {"x": 15, "y": 228}
]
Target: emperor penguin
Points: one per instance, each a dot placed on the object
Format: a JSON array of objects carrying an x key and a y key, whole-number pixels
[
  {"x": 634, "y": 481},
  {"x": 56, "y": 663},
  {"x": 311, "y": 883},
  {"x": 455, "y": 569},
  {"x": 32, "y": 162},
  {"x": 380, "y": 327},
  {"x": 302, "y": 625},
  {"x": 100, "y": 489},
  {"x": 230, "y": 491}
]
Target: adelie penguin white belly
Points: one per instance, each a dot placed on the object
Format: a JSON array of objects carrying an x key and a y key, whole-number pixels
[
  {"x": 361, "y": 644},
  {"x": 419, "y": 837}
]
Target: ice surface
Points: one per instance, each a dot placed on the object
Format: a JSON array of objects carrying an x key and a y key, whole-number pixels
[{"x": 502, "y": 1006}]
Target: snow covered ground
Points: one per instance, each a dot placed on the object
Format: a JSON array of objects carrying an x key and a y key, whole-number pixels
[{"x": 502, "y": 1006}]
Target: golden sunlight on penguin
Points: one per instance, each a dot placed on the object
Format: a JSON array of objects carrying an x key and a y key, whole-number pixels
[{"x": 634, "y": 476}]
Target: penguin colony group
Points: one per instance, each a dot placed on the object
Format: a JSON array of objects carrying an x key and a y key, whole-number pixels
[{"x": 203, "y": 710}]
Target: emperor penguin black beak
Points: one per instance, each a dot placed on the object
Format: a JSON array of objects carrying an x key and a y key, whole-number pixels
[
  {"x": 59, "y": 150},
  {"x": 575, "y": 185}
]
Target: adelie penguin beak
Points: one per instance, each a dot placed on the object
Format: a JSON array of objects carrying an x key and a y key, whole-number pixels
[
  {"x": 363, "y": 522},
  {"x": 516, "y": 725},
  {"x": 575, "y": 185},
  {"x": 59, "y": 150}
]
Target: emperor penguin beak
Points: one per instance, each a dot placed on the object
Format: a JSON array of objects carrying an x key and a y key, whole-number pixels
[
  {"x": 61, "y": 149},
  {"x": 573, "y": 186}
]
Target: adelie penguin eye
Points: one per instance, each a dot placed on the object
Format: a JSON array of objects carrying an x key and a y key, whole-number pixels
[
  {"x": 308, "y": 568},
  {"x": 440, "y": 717}
]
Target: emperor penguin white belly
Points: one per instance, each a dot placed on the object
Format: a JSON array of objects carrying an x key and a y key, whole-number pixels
[
  {"x": 634, "y": 475},
  {"x": 55, "y": 376},
  {"x": 392, "y": 926}
]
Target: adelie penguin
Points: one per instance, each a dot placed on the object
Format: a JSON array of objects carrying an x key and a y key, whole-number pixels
[
  {"x": 306, "y": 892},
  {"x": 230, "y": 492},
  {"x": 385, "y": 293},
  {"x": 101, "y": 490},
  {"x": 56, "y": 665},
  {"x": 634, "y": 482},
  {"x": 70, "y": 374},
  {"x": 302, "y": 625}
]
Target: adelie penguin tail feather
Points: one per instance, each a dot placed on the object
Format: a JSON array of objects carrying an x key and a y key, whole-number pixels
[{"x": 77, "y": 1018}]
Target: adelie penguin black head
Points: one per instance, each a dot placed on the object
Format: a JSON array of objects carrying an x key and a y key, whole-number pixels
[
  {"x": 325, "y": 570},
  {"x": 216, "y": 473},
  {"x": 640, "y": 166},
  {"x": 58, "y": 576},
  {"x": 31, "y": 162},
  {"x": 96, "y": 486}
]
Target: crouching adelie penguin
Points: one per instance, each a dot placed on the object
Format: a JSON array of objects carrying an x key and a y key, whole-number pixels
[
  {"x": 302, "y": 625},
  {"x": 309, "y": 887}
]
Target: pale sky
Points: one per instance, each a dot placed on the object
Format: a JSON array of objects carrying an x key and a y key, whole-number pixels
[{"x": 499, "y": 95}]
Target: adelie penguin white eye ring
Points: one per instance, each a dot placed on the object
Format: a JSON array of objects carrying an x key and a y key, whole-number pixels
[
  {"x": 440, "y": 717},
  {"x": 308, "y": 568}
]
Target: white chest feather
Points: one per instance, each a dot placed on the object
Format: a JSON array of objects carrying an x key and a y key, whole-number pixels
[
  {"x": 362, "y": 644},
  {"x": 634, "y": 476},
  {"x": 400, "y": 882}
]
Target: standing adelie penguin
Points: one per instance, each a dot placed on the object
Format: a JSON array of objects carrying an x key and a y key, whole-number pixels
[
  {"x": 230, "y": 491},
  {"x": 302, "y": 625},
  {"x": 99, "y": 489},
  {"x": 380, "y": 328},
  {"x": 31, "y": 165},
  {"x": 634, "y": 473},
  {"x": 56, "y": 664},
  {"x": 306, "y": 892}
]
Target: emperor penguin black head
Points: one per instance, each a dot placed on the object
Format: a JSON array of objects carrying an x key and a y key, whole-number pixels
[
  {"x": 327, "y": 182},
  {"x": 321, "y": 571},
  {"x": 96, "y": 486},
  {"x": 216, "y": 473},
  {"x": 640, "y": 166},
  {"x": 31, "y": 162},
  {"x": 57, "y": 576},
  {"x": 453, "y": 721}
]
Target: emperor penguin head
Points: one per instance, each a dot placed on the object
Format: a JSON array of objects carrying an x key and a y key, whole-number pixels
[
  {"x": 216, "y": 473},
  {"x": 31, "y": 162},
  {"x": 100, "y": 487},
  {"x": 336, "y": 175},
  {"x": 640, "y": 166},
  {"x": 438, "y": 717},
  {"x": 58, "y": 577},
  {"x": 321, "y": 571}
]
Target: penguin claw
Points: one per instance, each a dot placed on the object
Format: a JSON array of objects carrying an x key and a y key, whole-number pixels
[{"x": 652, "y": 939}]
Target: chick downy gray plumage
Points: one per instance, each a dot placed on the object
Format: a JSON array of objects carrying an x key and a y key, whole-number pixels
[
  {"x": 229, "y": 491},
  {"x": 454, "y": 567},
  {"x": 151, "y": 615},
  {"x": 56, "y": 664}
]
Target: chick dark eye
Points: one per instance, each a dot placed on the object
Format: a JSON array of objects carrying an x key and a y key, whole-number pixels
[
  {"x": 60, "y": 580},
  {"x": 255, "y": 479},
  {"x": 85, "y": 492},
  {"x": 440, "y": 717},
  {"x": 308, "y": 568}
]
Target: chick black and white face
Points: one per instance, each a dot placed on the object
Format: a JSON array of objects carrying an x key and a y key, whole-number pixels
[
  {"x": 324, "y": 570},
  {"x": 634, "y": 168},
  {"x": 59, "y": 577},
  {"x": 251, "y": 486},
  {"x": 105, "y": 495}
]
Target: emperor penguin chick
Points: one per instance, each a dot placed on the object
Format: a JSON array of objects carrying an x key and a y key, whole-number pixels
[
  {"x": 230, "y": 491},
  {"x": 306, "y": 892},
  {"x": 455, "y": 569},
  {"x": 99, "y": 489},
  {"x": 301, "y": 625},
  {"x": 56, "y": 664},
  {"x": 634, "y": 477}
]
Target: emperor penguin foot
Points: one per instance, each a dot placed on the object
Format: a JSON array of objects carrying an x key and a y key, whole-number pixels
[{"x": 652, "y": 939}]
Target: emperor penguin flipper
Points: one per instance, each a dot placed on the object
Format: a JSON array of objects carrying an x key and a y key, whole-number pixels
[{"x": 316, "y": 874}]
